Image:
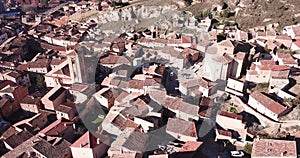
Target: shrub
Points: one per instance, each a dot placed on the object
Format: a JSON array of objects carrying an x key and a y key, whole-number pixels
[
  {"x": 248, "y": 148},
  {"x": 233, "y": 110}
]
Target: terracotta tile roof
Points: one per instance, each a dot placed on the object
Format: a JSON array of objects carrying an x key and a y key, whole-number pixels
[
  {"x": 5, "y": 83},
  {"x": 66, "y": 107},
  {"x": 286, "y": 58},
  {"x": 152, "y": 81},
  {"x": 40, "y": 63},
  {"x": 191, "y": 51},
  {"x": 171, "y": 51},
  {"x": 271, "y": 33},
  {"x": 183, "y": 127},
  {"x": 119, "y": 82},
  {"x": 267, "y": 62},
  {"x": 159, "y": 156},
  {"x": 261, "y": 34},
  {"x": 268, "y": 102},
  {"x": 9, "y": 132},
  {"x": 122, "y": 122},
  {"x": 139, "y": 108},
  {"x": 297, "y": 43},
  {"x": 131, "y": 140},
  {"x": 190, "y": 83},
  {"x": 203, "y": 82},
  {"x": 283, "y": 37},
  {"x": 224, "y": 133},
  {"x": 206, "y": 111},
  {"x": 113, "y": 59},
  {"x": 30, "y": 100},
  {"x": 273, "y": 67},
  {"x": 188, "y": 108},
  {"x": 206, "y": 101},
  {"x": 186, "y": 39},
  {"x": 136, "y": 84},
  {"x": 230, "y": 115},
  {"x": 271, "y": 45},
  {"x": 57, "y": 61},
  {"x": 274, "y": 148},
  {"x": 190, "y": 146},
  {"x": 226, "y": 43},
  {"x": 57, "y": 127},
  {"x": 126, "y": 97},
  {"x": 87, "y": 140},
  {"x": 57, "y": 149},
  {"x": 17, "y": 138},
  {"x": 157, "y": 94},
  {"x": 14, "y": 74},
  {"x": 125, "y": 155}
]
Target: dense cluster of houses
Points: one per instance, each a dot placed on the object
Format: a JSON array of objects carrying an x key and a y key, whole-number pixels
[{"x": 153, "y": 93}]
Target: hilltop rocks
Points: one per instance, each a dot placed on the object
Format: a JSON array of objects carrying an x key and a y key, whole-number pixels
[{"x": 135, "y": 12}]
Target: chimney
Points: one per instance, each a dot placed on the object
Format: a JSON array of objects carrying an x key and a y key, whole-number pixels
[
  {"x": 98, "y": 141},
  {"x": 284, "y": 153},
  {"x": 80, "y": 145}
]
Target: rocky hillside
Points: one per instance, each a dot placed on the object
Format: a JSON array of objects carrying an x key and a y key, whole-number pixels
[{"x": 249, "y": 13}]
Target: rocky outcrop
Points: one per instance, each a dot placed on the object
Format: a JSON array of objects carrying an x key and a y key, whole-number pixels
[{"x": 136, "y": 12}]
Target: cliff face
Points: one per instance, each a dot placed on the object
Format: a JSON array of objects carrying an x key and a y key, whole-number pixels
[{"x": 137, "y": 12}]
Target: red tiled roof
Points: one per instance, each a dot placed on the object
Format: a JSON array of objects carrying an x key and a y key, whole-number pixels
[
  {"x": 273, "y": 67},
  {"x": 261, "y": 33},
  {"x": 224, "y": 133},
  {"x": 136, "y": 84},
  {"x": 206, "y": 101},
  {"x": 186, "y": 39},
  {"x": 267, "y": 62},
  {"x": 187, "y": 128},
  {"x": 230, "y": 115},
  {"x": 268, "y": 102},
  {"x": 190, "y": 146},
  {"x": 122, "y": 122},
  {"x": 274, "y": 148},
  {"x": 297, "y": 43},
  {"x": 5, "y": 83},
  {"x": 283, "y": 37},
  {"x": 271, "y": 33},
  {"x": 56, "y": 127},
  {"x": 87, "y": 140},
  {"x": 226, "y": 43}
]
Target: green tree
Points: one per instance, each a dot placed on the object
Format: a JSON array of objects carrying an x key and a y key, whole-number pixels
[
  {"x": 40, "y": 81},
  {"x": 224, "y": 14},
  {"x": 233, "y": 110},
  {"x": 288, "y": 100},
  {"x": 267, "y": 50},
  {"x": 248, "y": 148},
  {"x": 207, "y": 13}
]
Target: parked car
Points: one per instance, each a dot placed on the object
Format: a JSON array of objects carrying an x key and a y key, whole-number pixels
[{"x": 237, "y": 153}]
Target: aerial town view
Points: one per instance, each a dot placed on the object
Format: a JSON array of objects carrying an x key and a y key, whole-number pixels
[{"x": 149, "y": 78}]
